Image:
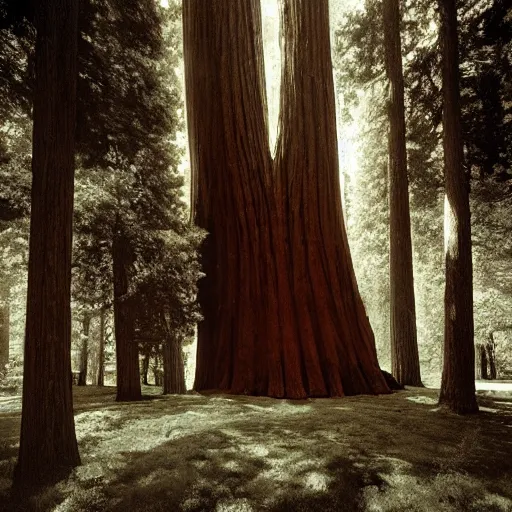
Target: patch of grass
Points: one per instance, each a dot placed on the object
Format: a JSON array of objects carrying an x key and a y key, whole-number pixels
[{"x": 229, "y": 453}]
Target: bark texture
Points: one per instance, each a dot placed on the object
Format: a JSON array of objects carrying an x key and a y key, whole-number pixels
[
  {"x": 100, "y": 380},
  {"x": 127, "y": 349},
  {"x": 174, "y": 366},
  {"x": 48, "y": 448},
  {"x": 458, "y": 378},
  {"x": 405, "y": 361},
  {"x": 282, "y": 312},
  {"x": 84, "y": 351},
  {"x": 174, "y": 369}
]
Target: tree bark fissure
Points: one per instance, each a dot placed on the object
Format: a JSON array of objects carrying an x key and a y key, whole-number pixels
[{"x": 282, "y": 312}]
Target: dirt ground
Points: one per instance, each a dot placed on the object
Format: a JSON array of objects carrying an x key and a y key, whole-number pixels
[{"x": 223, "y": 453}]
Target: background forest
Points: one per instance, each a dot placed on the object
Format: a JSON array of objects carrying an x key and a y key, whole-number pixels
[{"x": 133, "y": 165}]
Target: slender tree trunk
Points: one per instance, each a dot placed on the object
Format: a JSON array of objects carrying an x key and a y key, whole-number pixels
[
  {"x": 458, "y": 379},
  {"x": 282, "y": 312},
  {"x": 483, "y": 362},
  {"x": 145, "y": 369},
  {"x": 405, "y": 361},
  {"x": 101, "y": 351},
  {"x": 127, "y": 350},
  {"x": 157, "y": 373},
  {"x": 48, "y": 447},
  {"x": 491, "y": 356},
  {"x": 4, "y": 325},
  {"x": 84, "y": 352}
]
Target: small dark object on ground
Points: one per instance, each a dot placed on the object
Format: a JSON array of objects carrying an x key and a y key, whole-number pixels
[{"x": 391, "y": 381}]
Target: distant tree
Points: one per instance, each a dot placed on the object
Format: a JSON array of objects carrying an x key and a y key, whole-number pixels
[
  {"x": 405, "y": 361},
  {"x": 48, "y": 446},
  {"x": 84, "y": 348},
  {"x": 4, "y": 325},
  {"x": 100, "y": 379},
  {"x": 458, "y": 380},
  {"x": 130, "y": 195},
  {"x": 282, "y": 313}
]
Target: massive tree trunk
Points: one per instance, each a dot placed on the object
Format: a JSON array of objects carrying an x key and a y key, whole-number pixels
[
  {"x": 282, "y": 313},
  {"x": 127, "y": 349},
  {"x": 101, "y": 351},
  {"x": 48, "y": 447},
  {"x": 4, "y": 325},
  {"x": 405, "y": 361},
  {"x": 458, "y": 379},
  {"x": 84, "y": 349}
]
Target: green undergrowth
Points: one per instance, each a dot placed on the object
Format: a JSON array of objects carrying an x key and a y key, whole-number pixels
[{"x": 196, "y": 453}]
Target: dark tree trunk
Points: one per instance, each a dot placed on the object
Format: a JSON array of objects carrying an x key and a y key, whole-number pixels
[
  {"x": 282, "y": 312},
  {"x": 145, "y": 369},
  {"x": 157, "y": 372},
  {"x": 174, "y": 367},
  {"x": 404, "y": 345},
  {"x": 4, "y": 326},
  {"x": 458, "y": 380},
  {"x": 84, "y": 352},
  {"x": 127, "y": 349},
  {"x": 101, "y": 351},
  {"x": 491, "y": 356},
  {"x": 48, "y": 447},
  {"x": 482, "y": 352}
]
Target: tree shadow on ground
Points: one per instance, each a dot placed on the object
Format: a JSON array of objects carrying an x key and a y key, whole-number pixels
[{"x": 223, "y": 453}]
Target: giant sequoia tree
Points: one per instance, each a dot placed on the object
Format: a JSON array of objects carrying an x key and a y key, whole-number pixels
[
  {"x": 404, "y": 345},
  {"x": 458, "y": 380},
  {"x": 48, "y": 446},
  {"x": 282, "y": 312}
]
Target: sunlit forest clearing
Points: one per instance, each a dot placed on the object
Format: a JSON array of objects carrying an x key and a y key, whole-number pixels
[
  {"x": 238, "y": 453},
  {"x": 256, "y": 255}
]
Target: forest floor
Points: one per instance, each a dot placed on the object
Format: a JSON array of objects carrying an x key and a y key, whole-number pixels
[{"x": 222, "y": 453}]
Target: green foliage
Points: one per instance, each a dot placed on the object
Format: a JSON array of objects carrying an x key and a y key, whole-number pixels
[
  {"x": 129, "y": 185},
  {"x": 486, "y": 64},
  {"x": 11, "y": 377}
]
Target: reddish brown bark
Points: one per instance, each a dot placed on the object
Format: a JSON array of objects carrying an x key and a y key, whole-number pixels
[
  {"x": 458, "y": 379},
  {"x": 48, "y": 447},
  {"x": 282, "y": 313},
  {"x": 127, "y": 349},
  {"x": 405, "y": 361}
]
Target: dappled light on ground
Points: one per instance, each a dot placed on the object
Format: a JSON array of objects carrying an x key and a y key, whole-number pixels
[{"x": 238, "y": 453}]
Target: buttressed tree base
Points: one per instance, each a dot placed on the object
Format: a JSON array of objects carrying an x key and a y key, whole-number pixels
[{"x": 282, "y": 313}]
